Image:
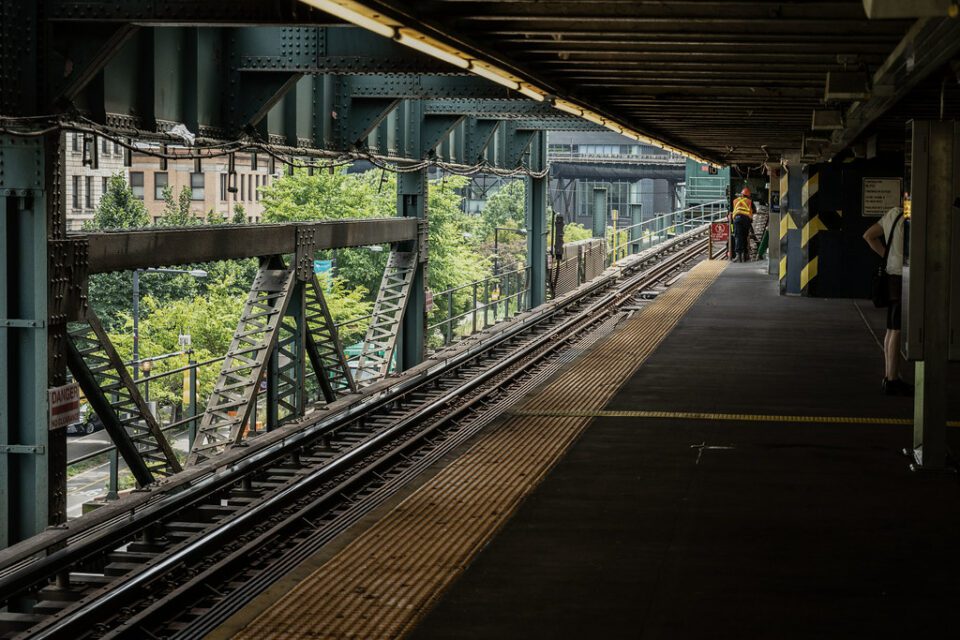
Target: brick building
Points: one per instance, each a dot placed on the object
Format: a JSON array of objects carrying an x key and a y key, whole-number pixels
[{"x": 209, "y": 182}]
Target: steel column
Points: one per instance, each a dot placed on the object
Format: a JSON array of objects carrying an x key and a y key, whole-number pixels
[
  {"x": 536, "y": 214},
  {"x": 636, "y": 219},
  {"x": 32, "y": 480},
  {"x": 934, "y": 243},
  {"x": 599, "y": 213},
  {"x": 412, "y": 203}
]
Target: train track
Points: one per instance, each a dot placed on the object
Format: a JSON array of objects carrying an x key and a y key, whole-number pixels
[{"x": 178, "y": 562}]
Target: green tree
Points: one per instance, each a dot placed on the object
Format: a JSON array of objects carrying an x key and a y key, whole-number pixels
[
  {"x": 118, "y": 208},
  {"x": 176, "y": 212},
  {"x": 110, "y": 293},
  {"x": 239, "y": 214},
  {"x": 215, "y": 217},
  {"x": 574, "y": 231},
  {"x": 211, "y": 320},
  {"x": 505, "y": 208}
]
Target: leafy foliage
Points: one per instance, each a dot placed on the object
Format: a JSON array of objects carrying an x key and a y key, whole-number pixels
[
  {"x": 118, "y": 208},
  {"x": 176, "y": 212}
]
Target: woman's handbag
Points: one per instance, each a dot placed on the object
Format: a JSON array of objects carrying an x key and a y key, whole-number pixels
[{"x": 881, "y": 281}]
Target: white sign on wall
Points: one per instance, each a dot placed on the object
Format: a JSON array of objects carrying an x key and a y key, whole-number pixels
[{"x": 880, "y": 195}]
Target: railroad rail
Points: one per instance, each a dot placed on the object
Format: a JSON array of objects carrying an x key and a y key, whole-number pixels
[{"x": 177, "y": 560}]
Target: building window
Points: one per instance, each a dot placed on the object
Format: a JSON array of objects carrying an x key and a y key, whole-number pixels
[
  {"x": 253, "y": 161},
  {"x": 76, "y": 143},
  {"x": 106, "y": 147},
  {"x": 76, "y": 192},
  {"x": 136, "y": 183},
  {"x": 116, "y": 148},
  {"x": 256, "y": 194},
  {"x": 243, "y": 188},
  {"x": 196, "y": 186},
  {"x": 88, "y": 193},
  {"x": 160, "y": 182},
  {"x": 104, "y": 186},
  {"x": 223, "y": 187}
]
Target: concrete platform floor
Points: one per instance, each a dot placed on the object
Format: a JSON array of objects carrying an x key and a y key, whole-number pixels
[{"x": 678, "y": 528}]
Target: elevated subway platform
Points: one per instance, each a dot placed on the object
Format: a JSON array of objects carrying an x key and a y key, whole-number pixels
[{"x": 678, "y": 497}]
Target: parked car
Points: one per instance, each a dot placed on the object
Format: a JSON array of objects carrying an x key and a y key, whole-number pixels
[{"x": 90, "y": 423}]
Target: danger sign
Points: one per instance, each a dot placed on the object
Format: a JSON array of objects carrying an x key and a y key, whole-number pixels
[
  {"x": 64, "y": 403},
  {"x": 719, "y": 231}
]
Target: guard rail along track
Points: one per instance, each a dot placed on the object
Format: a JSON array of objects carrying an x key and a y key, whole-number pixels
[{"x": 177, "y": 558}]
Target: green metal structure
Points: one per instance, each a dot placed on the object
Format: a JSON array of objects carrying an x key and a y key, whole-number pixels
[{"x": 275, "y": 78}]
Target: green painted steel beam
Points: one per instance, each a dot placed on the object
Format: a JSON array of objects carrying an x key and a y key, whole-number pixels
[{"x": 536, "y": 222}]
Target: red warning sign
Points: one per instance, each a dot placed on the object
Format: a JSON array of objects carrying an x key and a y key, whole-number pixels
[
  {"x": 719, "y": 231},
  {"x": 64, "y": 403}
]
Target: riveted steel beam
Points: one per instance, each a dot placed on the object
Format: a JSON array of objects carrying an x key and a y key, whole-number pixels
[
  {"x": 141, "y": 249},
  {"x": 187, "y": 12}
]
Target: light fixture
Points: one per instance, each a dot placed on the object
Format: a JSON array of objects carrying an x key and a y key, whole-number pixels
[
  {"x": 415, "y": 40},
  {"x": 495, "y": 75},
  {"x": 592, "y": 117},
  {"x": 568, "y": 107},
  {"x": 530, "y": 92},
  {"x": 613, "y": 126},
  {"x": 357, "y": 14}
]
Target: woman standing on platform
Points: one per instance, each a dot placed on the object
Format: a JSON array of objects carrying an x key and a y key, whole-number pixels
[{"x": 886, "y": 239}]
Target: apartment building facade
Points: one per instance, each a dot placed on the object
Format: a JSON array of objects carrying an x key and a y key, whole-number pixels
[
  {"x": 86, "y": 180},
  {"x": 213, "y": 187}
]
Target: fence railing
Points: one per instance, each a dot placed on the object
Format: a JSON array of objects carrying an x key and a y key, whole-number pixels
[
  {"x": 471, "y": 307},
  {"x": 625, "y": 158},
  {"x": 649, "y": 233}
]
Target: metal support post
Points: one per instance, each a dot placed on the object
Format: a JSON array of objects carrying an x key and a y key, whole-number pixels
[
  {"x": 32, "y": 276},
  {"x": 636, "y": 219},
  {"x": 486, "y": 303},
  {"x": 449, "y": 316},
  {"x": 474, "y": 314},
  {"x": 273, "y": 391},
  {"x": 934, "y": 250},
  {"x": 412, "y": 203},
  {"x": 536, "y": 222},
  {"x": 192, "y": 409},
  {"x": 113, "y": 486},
  {"x": 599, "y": 213}
]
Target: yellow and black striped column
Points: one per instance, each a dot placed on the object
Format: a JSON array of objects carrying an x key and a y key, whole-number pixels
[
  {"x": 791, "y": 258},
  {"x": 812, "y": 225}
]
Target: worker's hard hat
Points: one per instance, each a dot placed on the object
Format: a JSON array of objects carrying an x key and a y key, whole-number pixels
[{"x": 745, "y": 192}]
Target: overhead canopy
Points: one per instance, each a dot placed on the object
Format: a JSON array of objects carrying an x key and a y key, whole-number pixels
[{"x": 735, "y": 81}]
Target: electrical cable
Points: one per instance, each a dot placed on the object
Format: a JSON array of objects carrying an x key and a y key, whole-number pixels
[{"x": 286, "y": 155}]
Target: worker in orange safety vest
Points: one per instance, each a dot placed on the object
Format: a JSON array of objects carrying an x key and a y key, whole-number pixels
[{"x": 742, "y": 215}]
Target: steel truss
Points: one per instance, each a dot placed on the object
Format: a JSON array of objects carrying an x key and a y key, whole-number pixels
[
  {"x": 231, "y": 404},
  {"x": 381, "y": 338},
  {"x": 111, "y": 392},
  {"x": 324, "y": 346}
]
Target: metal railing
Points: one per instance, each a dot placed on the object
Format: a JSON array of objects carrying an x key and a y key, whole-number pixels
[
  {"x": 503, "y": 296},
  {"x": 625, "y": 158},
  {"x": 649, "y": 233}
]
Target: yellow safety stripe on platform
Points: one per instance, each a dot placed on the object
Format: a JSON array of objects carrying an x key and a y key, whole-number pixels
[
  {"x": 786, "y": 223},
  {"x": 809, "y": 272},
  {"x": 389, "y": 576},
  {"x": 729, "y": 417},
  {"x": 810, "y": 188},
  {"x": 814, "y": 226},
  {"x": 783, "y": 267}
]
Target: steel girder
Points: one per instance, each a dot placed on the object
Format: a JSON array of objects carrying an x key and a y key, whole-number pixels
[{"x": 144, "y": 248}]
